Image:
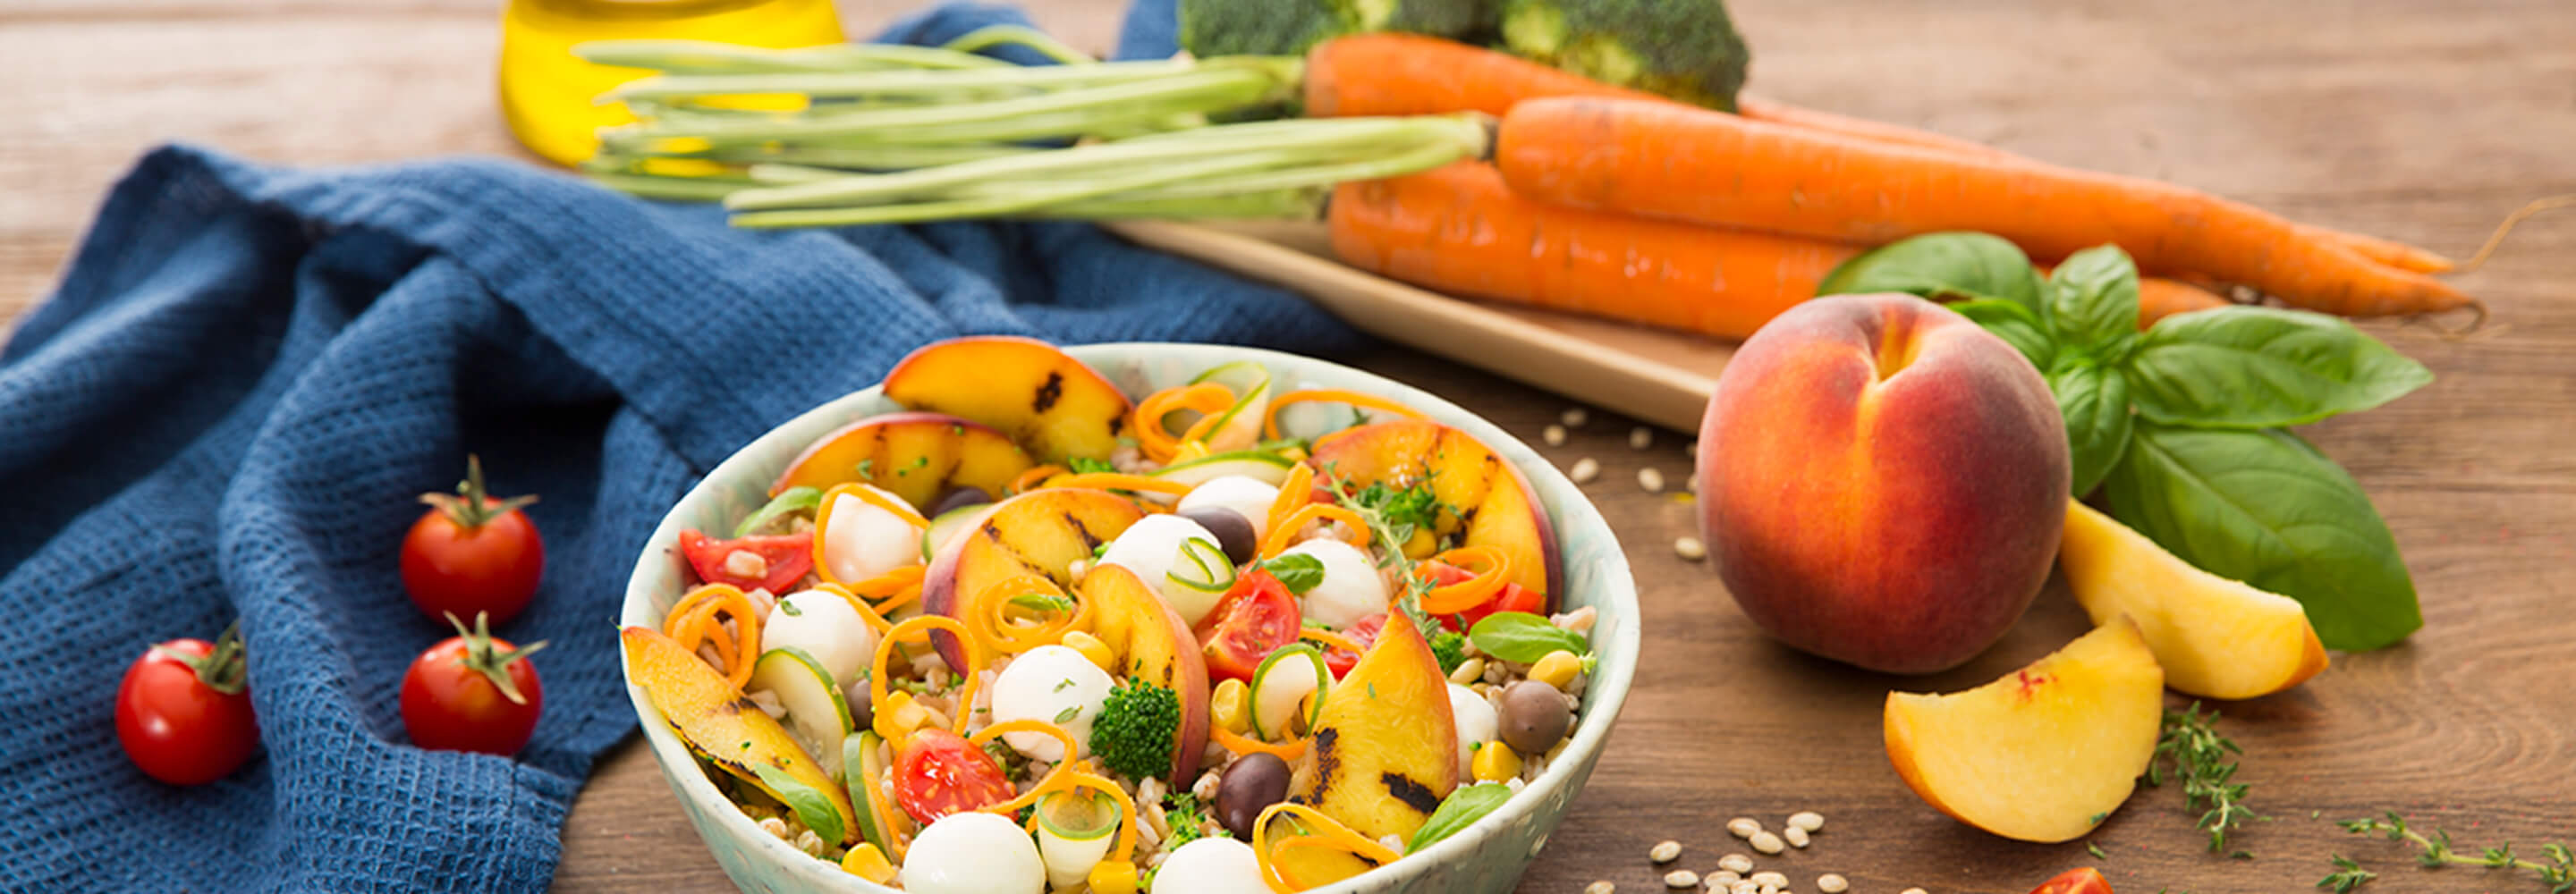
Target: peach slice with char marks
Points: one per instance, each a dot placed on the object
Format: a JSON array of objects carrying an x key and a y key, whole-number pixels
[
  {"x": 1385, "y": 746},
  {"x": 726, "y": 729},
  {"x": 1044, "y": 399},
  {"x": 2216, "y": 638},
  {"x": 2045, "y": 753},
  {"x": 916, "y": 456},
  {"x": 1485, "y": 499},
  {"x": 1152, "y": 644},
  {"x": 1041, "y": 532}
]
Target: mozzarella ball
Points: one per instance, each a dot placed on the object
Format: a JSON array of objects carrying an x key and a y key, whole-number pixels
[
  {"x": 825, "y": 627},
  {"x": 1152, "y": 548},
  {"x": 1247, "y": 496},
  {"x": 863, "y": 540},
  {"x": 1351, "y": 589},
  {"x": 974, "y": 853},
  {"x": 1210, "y": 866},
  {"x": 1476, "y": 723},
  {"x": 1042, "y": 684}
]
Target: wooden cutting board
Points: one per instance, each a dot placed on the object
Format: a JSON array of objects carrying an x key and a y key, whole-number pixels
[{"x": 1652, "y": 375}]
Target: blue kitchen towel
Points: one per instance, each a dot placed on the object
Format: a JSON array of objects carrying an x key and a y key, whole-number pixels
[{"x": 248, "y": 373}]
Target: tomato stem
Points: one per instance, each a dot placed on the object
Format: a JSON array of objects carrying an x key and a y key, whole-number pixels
[
  {"x": 472, "y": 506},
  {"x": 224, "y": 668},
  {"x": 481, "y": 658}
]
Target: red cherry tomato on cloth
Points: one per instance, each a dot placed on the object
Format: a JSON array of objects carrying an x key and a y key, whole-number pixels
[
  {"x": 472, "y": 692},
  {"x": 1255, "y": 617},
  {"x": 1511, "y": 598},
  {"x": 471, "y": 554},
  {"x": 937, "y": 773},
  {"x": 1362, "y": 633},
  {"x": 784, "y": 559},
  {"x": 183, "y": 713}
]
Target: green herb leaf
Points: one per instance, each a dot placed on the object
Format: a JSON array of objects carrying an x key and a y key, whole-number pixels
[
  {"x": 1084, "y": 465},
  {"x": 1298, "y": 572},
  {"x": 1464, "y": 806},
  {"x": 788, "y": 502},
  {"x": 1942, "y": 266},
  {"x": 1070, "y": 712},
  {"x": 1041, "y": 602},
  {"x": 2095, "y": 404},
  {"x": 2266, "y": 508},
  {"x": 811, "y": 806},
  {"x": 1524, "y": 637},
  {"x": 2093, "y": 301},
  {"x": 2259, "y": 367},
  {"x": 2015, "y": 324}
]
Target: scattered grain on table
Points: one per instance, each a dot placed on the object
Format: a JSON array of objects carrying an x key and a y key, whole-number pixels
[{"x": 1584, "y": 470}]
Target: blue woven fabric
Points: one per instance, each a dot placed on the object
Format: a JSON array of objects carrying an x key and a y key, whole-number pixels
[{"x": 247, "y": 374}]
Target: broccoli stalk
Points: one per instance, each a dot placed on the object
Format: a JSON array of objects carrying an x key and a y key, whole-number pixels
[
  {"x": 1133, "y": 734},
  {"x": 1290, "y": 27},
  {"x": 1684, "y": 49}
]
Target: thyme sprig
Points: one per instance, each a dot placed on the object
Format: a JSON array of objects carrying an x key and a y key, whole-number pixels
[
  {"x": 2556, "y": 868},
  {"x": 2201, "y": 760}
]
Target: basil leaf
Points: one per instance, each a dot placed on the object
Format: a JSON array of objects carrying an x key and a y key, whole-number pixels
[
  {"x": 1084, "y": 465},
  {"x": 1464, "y": 806},
  {"x": 2095, "y": 404},
  {"x": 789, "y": 501},
  {"x": 2260, "y": 367},
  {"x": 1941, "y": 266},
  {"x": 2093, "y": 300},
  {"x": 1524, "y": 637},
  {"x": 2013, "y": 323},
  {"x": 1298, "y": 572},
  {"x": 811, "y": 806},
  {"x": 2266, "y": 508}
]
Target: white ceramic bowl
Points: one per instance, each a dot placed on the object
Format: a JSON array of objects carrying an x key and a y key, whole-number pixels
[{"x": 1486, "y": 857}]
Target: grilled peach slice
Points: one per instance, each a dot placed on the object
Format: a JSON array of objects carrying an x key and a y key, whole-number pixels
[
  {"x": 2045, "y": 753},
  {"x": 1484, "y": 498},
  {"x": 1152, "y": 644},
  {"x": 2216, "y": 638},
  {"x": 1044, "y": 399},
  {"x": 1040, "y": 532},
  {"x": 916, "y": 456},
  {"x": 1385, "y": 747},
  {"x": 727, "y": 730}
]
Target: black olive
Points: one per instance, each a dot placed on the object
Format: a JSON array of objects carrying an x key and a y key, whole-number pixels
[
  {"x": 1533, "y": 717},
  {"x": 863, "y": 713},
  {"x": 1233, "y": 532},
  {"x": 958, "y": 497},
  {"x": 1248, "y": 787}
]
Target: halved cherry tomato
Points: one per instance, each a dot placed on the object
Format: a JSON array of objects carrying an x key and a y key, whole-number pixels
[
  {"x": 1255, "y": 617},
  {"x": 1511, "y": 598},
  {"x": 784, "y": 559},
  {"x": 937, "y": 773},
  {"x": 1361, "y": 633}
]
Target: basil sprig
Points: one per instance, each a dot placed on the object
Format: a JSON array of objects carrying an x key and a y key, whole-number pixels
[
  {"x": 1463, "y": 807},
  {"x": 1524, "y": 637},
  {"x": 2181, "y": 425},
  {"x": 1298, "y": 572}
]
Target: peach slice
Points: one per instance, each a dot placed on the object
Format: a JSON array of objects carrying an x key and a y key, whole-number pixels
[
  {"x": 1044, "y": 399},
  {"x": 2216, "y": 638},
  {"x": 728, "y": 730},
  {"x": 1485, "y": 498},
  {"x": 1040, "y": 532},
  {"x": 916, "y": 456},
  {"x": 2044, "y": 753},
  {"x": 1385, "y": 747},
  {"x": 1152, "y": 644}
]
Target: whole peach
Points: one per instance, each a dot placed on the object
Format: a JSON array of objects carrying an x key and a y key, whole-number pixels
[{"x": 1882, "y": 482}]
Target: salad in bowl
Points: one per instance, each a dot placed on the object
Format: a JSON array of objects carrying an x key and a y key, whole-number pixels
[{"x": 1029, "y": 631}]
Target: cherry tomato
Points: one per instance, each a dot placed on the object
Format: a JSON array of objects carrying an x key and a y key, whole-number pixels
[
  {"x": 473, "y": 692},
  {"x": 1362, "y": 633},
  {"x": 937, "y": 773},
  {"x": 2085, "y": 880},
  {"x": 784, "y": 559},
  {"x": 182, "y": 712},
  {"x": 1511, "y": 598},
  {"x": 1256, "y": 616},
  {"x": 471, "y": 554}
]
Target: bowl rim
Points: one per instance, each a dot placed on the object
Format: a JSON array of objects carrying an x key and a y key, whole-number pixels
[{"x": 1611, "y": 679}]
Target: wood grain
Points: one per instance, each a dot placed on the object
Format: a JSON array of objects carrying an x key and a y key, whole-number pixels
[{"x": 2422, "y": 121}]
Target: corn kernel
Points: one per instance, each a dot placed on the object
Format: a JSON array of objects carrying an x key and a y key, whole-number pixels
[
  {"x": 1557, "y": 669},
  {"x": 1091, "y": 647},
  {"x": 1226, "y": 702},
  {"x": 1190, "y": 450},
  {"x": 899, "y": 716},
  {"x": 866, "y": 862},
  {"x": 1113, "y": 877},
  {"x": 1421, "y": 545},
  {"x": 1495, "y": 762}
]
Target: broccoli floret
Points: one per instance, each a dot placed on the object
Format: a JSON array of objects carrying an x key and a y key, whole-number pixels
[
  {"x": 1133, "y": 734},
  {"x": 1290, "y": 27},
  {"x": 1684, "y": 49},
  {"x": 1183, "y": 812},
  {"x": 1450, "y": 647}
]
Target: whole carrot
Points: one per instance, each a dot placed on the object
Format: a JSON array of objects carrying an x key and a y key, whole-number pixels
[
  {"x": 1663, "y": 160},
  {"x": 1458, "y": 229},
  {"x": 2159, "y": 298}
]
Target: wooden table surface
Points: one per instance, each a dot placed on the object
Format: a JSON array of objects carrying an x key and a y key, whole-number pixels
[{"x": 2419, "y": 120}]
